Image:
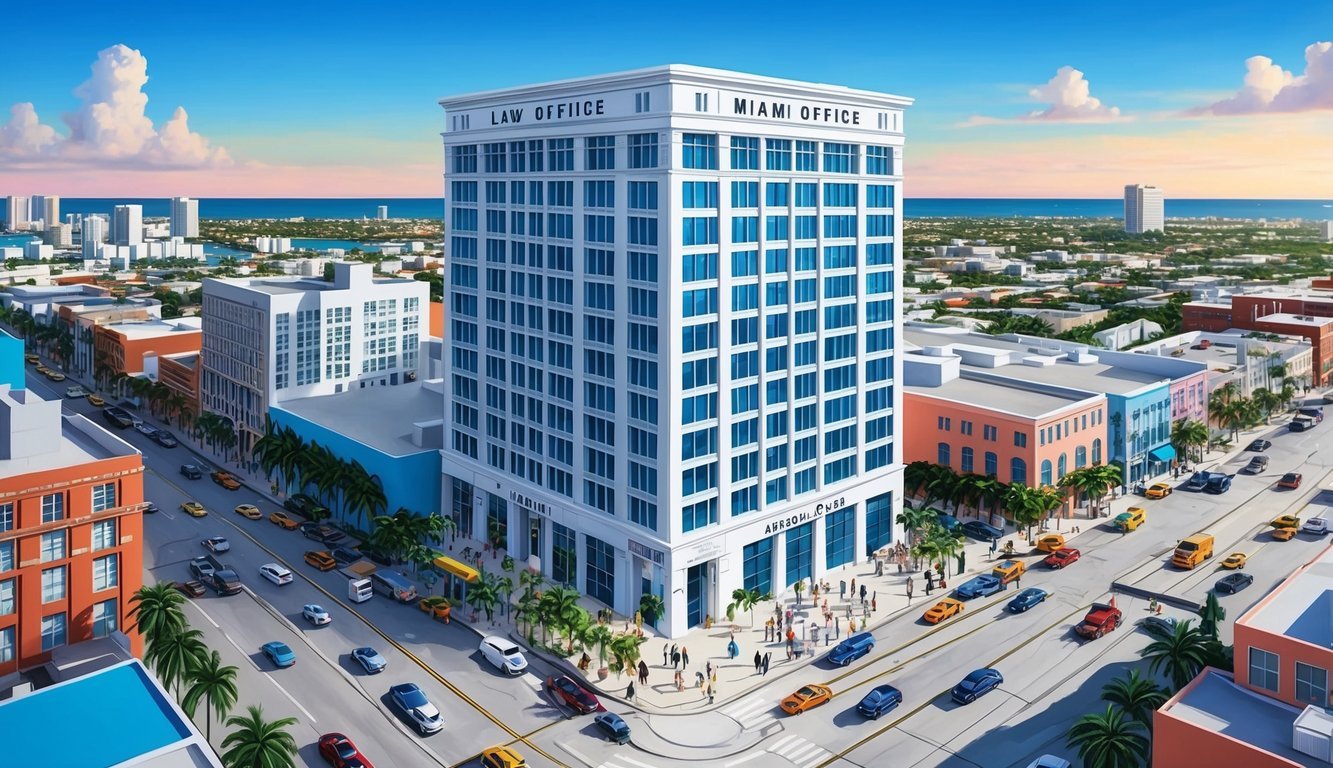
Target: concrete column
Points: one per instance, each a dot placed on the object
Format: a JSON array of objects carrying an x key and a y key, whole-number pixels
[
  {"x": 859, "y": 518},
  {"x": 780, "y": 583},
  {"x": 819, "y": 550}
]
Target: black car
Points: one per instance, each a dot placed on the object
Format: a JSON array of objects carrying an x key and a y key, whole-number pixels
[
  {"x": 614, "y": 726},
  {"x": 306, "y": 506},
  {"x": 151, "y": 509},
  {"x": 191, "y": 471},
  {"x": 1259, "y": 445},
  {"x": 376, "y": 556},
  {"x": 984, "y": 531},
  {"x": 118, "y": 417},
  {"x": 321, "y": 533},
  {"x": 1233, "y": 583},
  {"x": 345, "y": 555},
  {"x": 165, "y": 439}
]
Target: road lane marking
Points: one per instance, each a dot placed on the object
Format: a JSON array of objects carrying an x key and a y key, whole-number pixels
[
  {"x": 206, "y": 616},
  {"x": 291, "y": 698}
]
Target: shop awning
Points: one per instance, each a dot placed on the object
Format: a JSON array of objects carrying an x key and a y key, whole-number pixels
[
  {"x": 1165, "y": 453},
  {"x": 451, "y": 566}
]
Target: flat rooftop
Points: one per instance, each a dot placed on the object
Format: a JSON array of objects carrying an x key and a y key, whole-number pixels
[
  {"x": 153, "y": 328},
  {"x": 1287, "y": 318},
  {"x": 1015, "y": 399},
  {"x": 379, "y": 417},
  {"x": 1302, "y": 606},
  {"x": 116, "y": 717},
  {"x": 82, "y": 442},
  {"x": 1217, "y": 703}
]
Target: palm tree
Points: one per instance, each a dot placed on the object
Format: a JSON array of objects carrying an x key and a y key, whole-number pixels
[
  {"x": 1137, "y": 696},
  {"x": 625, "y": 649},
  {"x": 1180, "y": 654},
  {"x": 1187, "y": 434},
  {"x": 745, "y": 600},
  {"x": 599, "y": 637},
  {"x": 173, "y": 655},
  {"x": 483, "y": 594},
  {"x": 214, "y": 683},
  {"x": 1210, "y": 615},
  {"x": 1266, "y": 401},
  {"x": 561, "y": 610},
  {"x": 156, "y": 611},
  {"x": 914, "y": 521},
  {"x": 1108, "y": 740},
  {"x": 652, "y": 608},
  {"x": 1026, "y": 505},
  {"x": 258, "y": 743}
]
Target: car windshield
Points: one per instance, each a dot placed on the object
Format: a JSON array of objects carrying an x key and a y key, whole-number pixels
[
  {"x": 806, "y": 693},
  {"x": 346, "y": 750},
  {"x": 975, "y": 677},
  {"x": 510, "y": 651},
  {"x": 281, "y": 649},
  {"x": 413, "y": 697}
]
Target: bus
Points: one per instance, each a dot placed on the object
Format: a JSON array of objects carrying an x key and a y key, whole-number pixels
[{"x": 393, "y": 584}]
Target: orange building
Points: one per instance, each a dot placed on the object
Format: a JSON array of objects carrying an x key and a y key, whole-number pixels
[
  {"x": 71, "y": 530},
  {"x": 122, "y": 347},
  {"x": 180, "y": 372},
  {"x": 1308, "y": 316},
  {"x": 1273, "y": 710}
]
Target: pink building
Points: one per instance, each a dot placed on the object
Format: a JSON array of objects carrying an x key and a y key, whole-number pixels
[{"x": 1189, "y": 398}]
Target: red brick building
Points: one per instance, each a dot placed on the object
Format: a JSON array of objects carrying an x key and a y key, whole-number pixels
[{"x": 1307, "y": 316}]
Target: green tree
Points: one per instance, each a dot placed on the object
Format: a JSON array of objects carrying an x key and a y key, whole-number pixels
[
  {"x": 174, "y": 655},
  {"x": 1109, "y": 740},
  {"x": 156, "y": 611},
  {"x": 259, "y": 743},
  {"x": 745, "y": 600},
  {"x": 1189, "y": 434},
  {"x": 1137, "y": 696},
  {"x": 1008, "y": 322},
  {"x": 1211, "y": 615},
  {"x": 1180, "y": 655},
  {"x": 560, "y": 610},
  {"x": 598, "y": 636},
  {"x": 625, "y": 648},
  {"x": 213, "y": 683},
  {"x": 653, "y": 608},
  {"x": 1026, "y": 505}
]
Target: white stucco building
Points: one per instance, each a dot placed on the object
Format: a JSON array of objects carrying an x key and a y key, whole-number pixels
[
  {"x": 184, "y": 217},
  {"x": 672, "y": 305},
  {"x": 1145, "y": 209}
]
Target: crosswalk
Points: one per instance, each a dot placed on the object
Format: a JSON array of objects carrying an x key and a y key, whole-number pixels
[
  {"x": 798, "y": 751},
  {"x": 752, "y": 712}
]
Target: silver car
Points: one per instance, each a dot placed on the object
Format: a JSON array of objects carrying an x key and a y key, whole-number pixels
[{"x": 504, "y": 655}]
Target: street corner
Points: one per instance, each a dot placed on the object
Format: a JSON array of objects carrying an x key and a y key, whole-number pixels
[{"x": 699, "y": 736}]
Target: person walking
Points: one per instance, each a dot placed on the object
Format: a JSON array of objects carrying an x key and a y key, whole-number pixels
[
  {"x": 768, "y": 631},
  {"x": 629, "y": 692},
  {"x": 710, "y": 694},
  {"x": 666, "y": 655},
  {"x": 685, "y": 656},
  {"x": 675, "y": 659},
  {"x": 909, "y": 590},
  {"x": 708, "y": 667},
  {"x": 758, "y": 661},
  {"x": 643, "y": 672},
  {"x": 863, "y": 593},
  {"x": 842, "y": 589}
]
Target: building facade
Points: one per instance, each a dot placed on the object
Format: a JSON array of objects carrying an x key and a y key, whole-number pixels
[
  {"x": 71, "y": 530},
  {"x": 271, "y": 339},
  {"x": 1145, "y": 209},
  {"x": 672, "y": 296},
  {"x": 1310, "y": 317},
  {"x": 127, "y": 225},
  {"x": 184, "y": 217}
]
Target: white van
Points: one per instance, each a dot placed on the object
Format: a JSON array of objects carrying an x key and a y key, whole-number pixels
[{"x": 359, "y": 590}]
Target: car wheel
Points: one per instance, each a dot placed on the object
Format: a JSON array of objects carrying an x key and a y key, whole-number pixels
[{"x": 1097, "y": 635}]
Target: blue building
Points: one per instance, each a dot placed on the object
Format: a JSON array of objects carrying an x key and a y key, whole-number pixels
[{"x": 11, "y": 362}]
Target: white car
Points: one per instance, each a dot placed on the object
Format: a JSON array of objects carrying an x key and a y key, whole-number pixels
[
  {"x": 275, "y": 573},
  {"x": 217, "y": 544},
  {"x": 76, "y": 391},
  {"x": 1315, "y": 525},
  {"x": 504, "y": 655},
  {"x": 147, "y": 429},
  {"x": 316, "y": 614}
]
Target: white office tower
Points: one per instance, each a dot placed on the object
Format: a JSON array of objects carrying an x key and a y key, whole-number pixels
[
  {"x": 127, "y": 228},
  {"x": 1145, "y": 210},
  {"x": 44, "y": 209},
  {"x": 16, "y": 213},
  {"x": 382, "y": 212},
  {"x": 274, "y": 245},
  {"x": 673, "y": 330},
  {"x": 1326, "y": 231},
  {"x": 93, "y": 230},
  {"x": 184, "y": 217},
  {"x": 58, "y": 235}
]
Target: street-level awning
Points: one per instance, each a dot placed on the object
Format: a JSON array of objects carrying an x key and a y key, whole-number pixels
[
  {"x": 1165, "y": 453},
  {"x": 451, "y": 566}
]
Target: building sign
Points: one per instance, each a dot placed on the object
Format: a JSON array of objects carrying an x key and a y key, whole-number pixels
[
  {"x": 704, "y": 550},
  {"x": 529, "y": 503},
  {"x": 545, "y": 113},
  {"x": 646, "y": 552},
  {"x": 805, "y": 113},
  {"x": 810, "y": 515}
]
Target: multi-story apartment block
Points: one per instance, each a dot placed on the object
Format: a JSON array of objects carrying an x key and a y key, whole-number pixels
[
  {"x": 1145, "y": 209},
  {"x": 71, "y": 530},
  {"x": 127, "y": 225},
  {"x": 271, "y": 339},
  {"x": 16, "y": 213},
  {"x": 184, "y": 217},
  {"x": 672, "y": 304}
]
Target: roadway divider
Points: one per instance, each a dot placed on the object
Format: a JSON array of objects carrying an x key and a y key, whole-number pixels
[{"x": 1161, "y": 597}]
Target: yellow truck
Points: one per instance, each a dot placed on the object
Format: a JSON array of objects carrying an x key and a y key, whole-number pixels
[{"x": 1193, "y": 550}]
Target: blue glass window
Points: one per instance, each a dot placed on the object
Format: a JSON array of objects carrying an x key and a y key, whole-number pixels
[
  {"x": 745, "y": 229},
  {"x": 699, "y": 514},
  {"x": 840, "y": 195},
  {"x": 744, "y": 263},
  {"x": 837, "y": 471},
  {"x": 879, "y": 161},
  {"x": 757, "y": 565},
  {"x": 561, "y": 154},
  {"x": 744, "y": 194},
  {"x": 775, "y": 261},
  {"x": 698, "y": 151},
  {"x": 840, "y": 537},
  {"x": 744, "y": 153},
  {"x": 699, "y": 230},
  {"x": 601, "y": 570},
  {"x": 879, "y": 522},
  {"x": 942, "y": 455},
  {"x": 698, "y": 194},
  {"x": 600, "y": 153},
  {"x": 1018, "y": 471},
  {"x": 745, "y": 499},
  {"x": 839, "y": 158},
  {"x": 807, "y": 155},
  {"x": 775, "y": 194},
  {"x": 800, "y": 553},
  {"x": 777, "y": 154},
  {"x": 643, "y": 150},
  {"x": 698, "y": 266}
]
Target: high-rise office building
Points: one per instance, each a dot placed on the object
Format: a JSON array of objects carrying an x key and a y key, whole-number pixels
[
  {"x": 44, "y": 208},
  {"x": 127, "y": 225},
  {"x": 1326, "y": 231},
  {"x": 1144, "y": 209},
  {"x": 382, "y": 212},
  {"x": 673, "y": 331},
  {"x": 16, "y": 213},
  {"x": 184, "y": 217},
  {"x": 93, "y": 231}
]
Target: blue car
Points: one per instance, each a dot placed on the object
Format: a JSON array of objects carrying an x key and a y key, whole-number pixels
[
  {"x": 949, "y": 522},
  {"x": 614, "y": 726},
  {"x": 881, "y": 699},
  {"x": 369, "y": 659},
  {"x": 1026, "y": 599},
  {"x": 851, "y": 649},
  {"x": 279, "y": 654},
  {"x": 976, "y": 684},
  {"x": 979, "y": 586},
  {"x": 982, "y": 530}
]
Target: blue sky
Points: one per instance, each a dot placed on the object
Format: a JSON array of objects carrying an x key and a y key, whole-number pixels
[{"x": 332, "y": 84}]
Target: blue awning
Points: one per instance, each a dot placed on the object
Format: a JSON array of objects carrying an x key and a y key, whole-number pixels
[{"x": 1165, "y": 453}]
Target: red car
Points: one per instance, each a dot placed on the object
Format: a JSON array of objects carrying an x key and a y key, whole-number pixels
[
  {"x": 1061, "y": 557},
  {"x": 1290, "y": 480},
  {"x": 340, "y": 752},
  {"x": 572, "y": 695}
]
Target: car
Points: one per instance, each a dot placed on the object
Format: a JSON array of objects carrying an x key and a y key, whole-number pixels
[
  {"x": 322, "y": 561},
  {"x": 1026, "y": 599},
  {"x": 282, "y": 519},
  {"x": 1130, "y": 519},
  {"x": 165, "y": 439},
  {"x": 1235, "y": 561},
  {"x": 413, "y": 705},
  {"x": 977, "y": 684},
  {"x": 1198, "y": 481},
  {"x": 226, "y": 480},
  {"x": 118, "y": 418},
  {"x": 55, "y": 375},
  {"x": 1049, "y": 761},
  {"x": 151, "y": 509},
  {"x": 1233, "y": 583},
  {"x": 305, "y": 506},
  {"x": 322, "y": 533},
  {"x": 1061, "y": 557},
  {"x": 572, "y": 695},
  {"x": 1159, "y": 625},
  {"x": 1259, "y": 445},
  {"x": 375, "y": 556},
  {"x": 194, "y": 509},
  {"x": 1290, "y": 480},
  {"x": 75, "y": 391},
  {"x": 614, "y": 726},
  {"x": 851, "y": 649},
  {"x": 502, "y": 757},
  {"x": 1158, "y": 491},
  {"x": 1284, "y": 534},
  {"x": 1218, "y": 483},
  {"x": 942, "y": 610},
  {"x": 1317, "y": 526},
  {"x": 42, "y": 370},
  {"x": 948, "y": 522},
  {"x": 344, "y": 555},
  {"x": 1009, "y": 571},
  {"x": 1050, "y": 542},
  {"x": 217, "y": 544},
  {"x": 1257, "y": 464},
  {"x": 190, "y": 588},
  {"x": 275, "y": 573},
  {"x": 880, "y": 699},
  {"x": 32, "y": 359},
  {"x": 1100, "y": 619},
  {"x": 249, "y": 511},
  {"x": 369, "y": 659},
  {"x": 96, "y": 400},
  {"x": 984, "y": 531},
  {"x": 278, "y": 653},
  {"x": 807, "y": 697},
  {"x": 191, "y": 471},
  {"x": 315, "y": 614},
  {"x": 202, "y": 568},
  {"x": 1285, "y": 521},
  {"x": 147, "y": 430},
  {"x": 503, "y": 655},
  {"x": 340, "y": 752},
  {"x": 979, "y": 586}
]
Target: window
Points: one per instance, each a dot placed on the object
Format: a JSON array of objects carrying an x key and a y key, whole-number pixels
[
  {"x": 700, "y": 513},
  {"x": 1062, "y": 466},
  {"x": 800, "y": 553},
  {"x": 1080, "y": 457},
  {"x": 53, "y": 584},
  {"x": 104, "y": 618},
  {"x": 966, "y": 461},
  {"x": 1263, "y": 669},
  {"x": 1020, "y": 440},
  {"x": 992, "y": 464},
  {"x": 1097, "y": 451},
  {"x": 6, "y": 517},
  {"x": 600, "y": 153},
  {"x": 601, "y": 570},
  {"x": 7, "y": 597},
  {"x": 53, "y": 546},
  {"x": 104, "y": 497},
  {"x": 698, "y": 151},
  {"x": 53, "y": 631},
  {"x": 839, "y": 158},
  {"x": 6, "y": 645},
  {"x": 6, "y": 556},
  {"x": 840, "y": 537},
  {"x": 879, "y": 522},
  {"x": 643, "y": 195},
  {"x": 561, "y": 153},
  {"x": 643, "y": 149},
  {"x": 777, "y": 154},
  {"x": 1311, "y": 684},
  {"x": 757, "y": 566},
  {"x": 1046, "y": 472},
  {"x": 564, "y": 557},
  {"x": 744, "y": 153},
  {"x": 1018, "y": 471},
  {"x": 106, "y": 572},
  {"x": 942, "y": 457},
  {"x": 807, "y": 153},
  {"x": 53, "y": 507},
  {"x": 879, "y": 161}
]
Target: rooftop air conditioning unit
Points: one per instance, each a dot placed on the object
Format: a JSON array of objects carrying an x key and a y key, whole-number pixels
[{"x": 1312, "y": 733}]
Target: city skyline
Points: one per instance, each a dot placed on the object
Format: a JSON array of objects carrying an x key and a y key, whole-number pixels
[{"x": 1093, "y": 99}]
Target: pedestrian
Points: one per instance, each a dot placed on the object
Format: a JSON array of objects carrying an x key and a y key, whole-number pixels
[
  {"x": 800, "y": 648},
  {"x": 814, "y": 634},
  {"x": 666, "y": 655},
  {"x": 814, "y": 592},
  {"x": 842, "y": 589},
  {"x": 929, "y": 577},
  {"x": 699, "y": 679},
  {"x": 708, "y": 667},
  {"x": 733, "y": 649},
  {"x": 874, "y": 603},
  {"x": 909, "y": 589},
  {"x": 758, "y": 661},
  {"x": 789, "y": 617},
  {"x": 710, "y": 694},
  {"x": 675, "y": 659},
  {"x": 629, "y": 692},
  {"x": 853, "y": 586},
  {"x": 680, "y": 682},
  {"x": 768, "y": 657},
  {"x": 849, "y": 610},
  {"x": 643, "y": 672},
  {"x": 768, "y": 631},
  {"x": 685, "y": 656}
]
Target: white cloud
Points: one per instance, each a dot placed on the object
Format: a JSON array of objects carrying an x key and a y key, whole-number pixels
[
  {"x": 110, "y": 126},
  {"x": 1270, "y": 88},
  {"x": 1070, "y": 100}
]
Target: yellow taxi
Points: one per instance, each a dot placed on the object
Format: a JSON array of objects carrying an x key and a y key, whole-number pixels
[
  {"x": 1158, "y": 491},
  {"x": 32, "y": 359},
  {"x": 283, "y": 519},
  {"x": 249, "y": 510},
  {"x": 1050, "y": 542},
  {"x": 1008, "y": 571},
  {"x": 54, "y": 375},
  {"x": 1285, "y": 521},
  {"x": 194, "y": 509},
  {"x": 43, "y": 370},
  {"x": 502, "y": 757},
  {"x": 1234, "y": 561},
  {"x": 1284, "y": 534},
  {"x": 96, "y": 400},
  {"x": 808, "y": 697},
  {"x": 321, "y": 560},
  {"x": 942, "y": 610}
]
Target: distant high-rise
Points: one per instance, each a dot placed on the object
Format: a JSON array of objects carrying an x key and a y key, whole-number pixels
[
  {"x": 93, "y": 231},
  {"x": 184, "y": 217},
  {"x": 1144, "y": 209},
  {"x": 382, "y": 212},
  {"x": 16, "y": 213},
  {"x": 44, "y": 208},
  {"x": 1326, "y": 231},
  {"x": 127, "y": 226}
]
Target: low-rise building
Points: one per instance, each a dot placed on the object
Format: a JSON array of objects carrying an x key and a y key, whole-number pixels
[
  {"x": 126, "y": 346},
  {"x": 1062, "y": 320},
  {"x": 1124, "y": 335},
  {"x": 180, "y": 372},
  {"x": 1309, "y": 316}
]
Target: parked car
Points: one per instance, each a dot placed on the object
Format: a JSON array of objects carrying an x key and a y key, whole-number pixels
[
  {"x": 1026, "y": 599},
  {"x": 75, "y": 392},
  {"x": 226, "y": 480},
  {"x": 1062, "y": 557},
  {"x": 190, "y": 588},
  {"x": 1009, "y": 571},
  {"x": 275, "y": 573},
  {"x": 282, "y": 520},
  {"x": 278, "y": 653},
  {"x": 807, "y": 697},
  {"x": 1158, "y": 491},
  {"x": 1218, "y": 483},
  {"x": 1130, "y": 519},
  {"x": 979, "y": 586},
  {"x": 344, "y": 555},
  {"x": 305, "y": 506},
  {"x": 942, "y": 610},
  {"x": 570, "y": 694},
  {"x": 1235, "y": 561},
  {"x": 1257, "y": 464},
  {"x": 1259, "y": 445},
  {"x": 408, "y": 700},
  {"x": 503, "y": 654},
  {"x": 1285, "y": 521},
  {"x": 1159, "y": 625},
  {"x": 147, "y": 430},
  {"x": 217, "y": 544},
  {"x": 324, "y": 534},
  {"x": 1233, "y": 583},
  {"x": 984, "y": 531},
  {"x": 369, "y": 659},
  {"x": 880, "y": 699},
  {"x": 340, "y": 752},
  {"x": 1284, "y": 534},
  {"x": 151, "y": 509},
  {"x": 948, "y": 522},
  {"x": 194, "y": 509},
  {"x": 202, "y": 568},
  {"x": 249, "y": 511},
  {"x": 96, "y": 401},
  {"x": 1049, "y": 542},
  {"x": 315, "y": 614},
  {"x": 1290, "y": 480},
  {"x": 977, "y": 684},
  {"x": 1198, "y": 481},
  {"x": 1049, "y": 761},
  {"x": 614, "y": 726},
  {"x": 191, "y": 471},
  {"x": 165, "y": 439}
]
